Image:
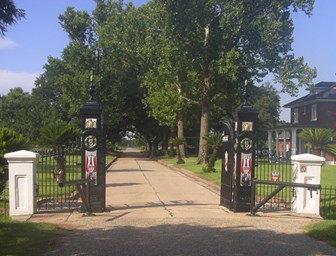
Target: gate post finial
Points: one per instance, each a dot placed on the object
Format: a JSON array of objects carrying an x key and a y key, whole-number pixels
[{"x": 91, "y": 89}]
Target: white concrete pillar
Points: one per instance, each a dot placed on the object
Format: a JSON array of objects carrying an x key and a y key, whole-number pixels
[
  {"x": 284, "y": 144},
  {"x": 293, "y": 142},
  {"x": 277, "y": 143},
  {"x": 306, "y": 169},
  {"x": 22, "y": 186}
]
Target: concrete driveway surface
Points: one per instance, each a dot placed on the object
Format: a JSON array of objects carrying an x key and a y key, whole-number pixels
[{"x": 154, "y": 210}]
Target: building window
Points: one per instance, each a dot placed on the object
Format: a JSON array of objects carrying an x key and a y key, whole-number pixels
[
  {"x": 296, "y": 115},
  {"x": 314, "y": 112}
]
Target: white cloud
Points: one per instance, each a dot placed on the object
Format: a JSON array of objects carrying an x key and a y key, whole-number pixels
[
  {"x": 12, "y": 79},
  {"x": 7, "y": 43}
]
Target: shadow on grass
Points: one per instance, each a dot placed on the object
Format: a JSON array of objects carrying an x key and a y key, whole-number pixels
[{"x": 22, "y": 238}]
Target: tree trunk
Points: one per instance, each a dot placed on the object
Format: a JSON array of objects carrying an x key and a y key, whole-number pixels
[
  {"x": 204, "y": 129},
  {"x": 179, "y": 157},
  {"x": 165, "y": 138},
  {"x": 180, "y": 134},
  {"x": 150, "y": 146}
]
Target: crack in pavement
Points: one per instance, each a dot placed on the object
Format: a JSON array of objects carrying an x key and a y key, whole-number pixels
[{"x": 155, "y": 191}]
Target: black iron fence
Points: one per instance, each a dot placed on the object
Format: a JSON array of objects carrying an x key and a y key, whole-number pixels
[
  {"x": 328, "y": 202},
  {"x": 62, "y": 164},
  {"x": 271, "y": 168}
]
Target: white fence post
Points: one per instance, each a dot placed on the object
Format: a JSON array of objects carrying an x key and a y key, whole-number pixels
[
  {"x": 306, "y": 169},
  {"x": 22, "y": 186}
]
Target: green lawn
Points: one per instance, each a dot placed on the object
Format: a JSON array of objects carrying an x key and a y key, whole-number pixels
[
  {"x": 190, "y": 164},
  {"x": 328, "y": 173},
  {"x": 324, "y": 231},
  {"x": 24, "y": 238}
]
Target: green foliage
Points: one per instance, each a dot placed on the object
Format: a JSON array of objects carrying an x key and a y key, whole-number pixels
[
  {"x": 17, "y": 112},
  {"x": 78, "y": 25},
  {"x": 9, "y": 15},
  {"x": 266, "y": 100},
  {"x": 177, "y": 141},
  {"x": 214, "y": 141},
  {"x": 320, "y": 140},
  {"x": 57, "y": 134},
  {"x": 243, "y": 41},
  {"x": 10, "y": 141},
  {"x": 157, "y": 64}
]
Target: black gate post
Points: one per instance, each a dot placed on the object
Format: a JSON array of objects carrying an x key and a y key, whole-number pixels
[
  {"x": 245, "y": 128},
  {"x": 93, "y": 151},
  {"x": 238, "y": 161}
]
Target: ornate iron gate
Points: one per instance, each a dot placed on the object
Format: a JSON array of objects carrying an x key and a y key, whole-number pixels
[
  {"x": 53, "y": 166},
  {"x": 227, "y": 179}
]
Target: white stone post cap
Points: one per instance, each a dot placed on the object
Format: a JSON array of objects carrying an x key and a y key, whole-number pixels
[
  {"x": 307, "y": 158},
  {"x": 21, "y": 154}
]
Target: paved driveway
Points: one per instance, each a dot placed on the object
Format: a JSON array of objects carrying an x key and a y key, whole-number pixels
[{"x": 153, "y": 210}]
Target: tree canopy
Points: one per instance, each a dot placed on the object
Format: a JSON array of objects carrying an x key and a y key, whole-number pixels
[{"x": 170, "y": 62}]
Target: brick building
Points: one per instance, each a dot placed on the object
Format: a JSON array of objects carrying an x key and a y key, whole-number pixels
[{"x": 315, "y": 110}]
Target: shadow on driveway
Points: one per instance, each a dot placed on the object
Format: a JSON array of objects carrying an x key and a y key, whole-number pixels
[{"x": 188, "y": 240}]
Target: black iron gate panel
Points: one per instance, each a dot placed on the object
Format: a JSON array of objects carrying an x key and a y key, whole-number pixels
[
  {"x": 227, "y": 179},
  {"x": 271, "y": 168},
  {"x": 278, "y": 187},
  {"x": 53, "y": 166}
]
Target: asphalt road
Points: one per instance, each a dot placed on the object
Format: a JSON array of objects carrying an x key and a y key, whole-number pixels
[{"x": 154, "y": 210}]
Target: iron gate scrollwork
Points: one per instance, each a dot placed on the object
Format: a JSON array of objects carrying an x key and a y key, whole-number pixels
[{"x": 228, "y": 163}]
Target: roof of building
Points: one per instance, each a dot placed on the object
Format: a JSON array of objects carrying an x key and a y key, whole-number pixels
[
  {"x": 321, "y": 91},
  {"x": 324, "y": 84}
]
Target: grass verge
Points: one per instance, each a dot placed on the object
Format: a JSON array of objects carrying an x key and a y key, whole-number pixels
[
  {"x": 25, "y": 238},
  {"x": 190, "y": 165},
  {"x": 324, "y": 231}
]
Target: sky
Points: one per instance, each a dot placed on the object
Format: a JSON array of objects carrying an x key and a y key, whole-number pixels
[{"x": 26, "y": 46}]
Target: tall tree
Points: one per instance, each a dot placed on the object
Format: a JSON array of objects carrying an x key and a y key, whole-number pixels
[
  {"x": 121, "y": 37},
  {"x": 266, "y": 100},
  {"x": 63, "y": 85},
  {"x": 16, "y": 112},
  {"x": 9, "y": 15},
  {"x": 233, "y": 41}
]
